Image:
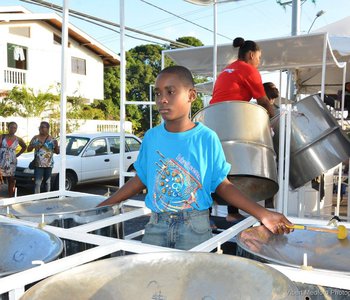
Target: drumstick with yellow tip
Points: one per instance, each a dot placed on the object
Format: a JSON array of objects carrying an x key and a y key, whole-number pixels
[{"x": 341, "y": 230}]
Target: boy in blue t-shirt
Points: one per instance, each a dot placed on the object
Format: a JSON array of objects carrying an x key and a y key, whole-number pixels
[{"x": 181, "y": 163}]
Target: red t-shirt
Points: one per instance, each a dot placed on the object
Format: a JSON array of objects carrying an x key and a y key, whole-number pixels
[{"x": 238, "y": 81}]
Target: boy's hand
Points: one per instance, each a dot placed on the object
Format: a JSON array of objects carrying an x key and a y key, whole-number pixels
[{"x": 276, "y": 222}]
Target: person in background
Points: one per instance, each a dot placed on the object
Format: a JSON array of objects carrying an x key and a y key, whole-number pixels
[
  {"x": 9, "y": 142},
  {"x": 181, "y": 163},
  {"x": 45, "y": 146},
  {"x": 241, "y": 79},
  {"x": 272, "y": 93}
]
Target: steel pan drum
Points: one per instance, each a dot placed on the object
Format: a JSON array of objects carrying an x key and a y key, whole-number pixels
[
  {"x": 324, "y": 250},
  {"x": 170, "y": 276},
  {"x": 68, "y": 212},
  {"x": 20, "y": 245},
  {"x": 244, "y": 132},
  {"x": 317, "y": 141}
]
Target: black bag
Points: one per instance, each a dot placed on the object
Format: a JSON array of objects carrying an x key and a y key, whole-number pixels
[{"x": 32, "y": 163}]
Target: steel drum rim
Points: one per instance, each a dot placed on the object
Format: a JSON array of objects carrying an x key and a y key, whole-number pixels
[
  {"x": 278, "y": 262},
  {"x": 230, "y": 101},
  {"x": 71, "y": 212},
  {"x": 47, "y": 259},
  {"x": 63, "y": 213},
  {"x": 123, "y": 264}
]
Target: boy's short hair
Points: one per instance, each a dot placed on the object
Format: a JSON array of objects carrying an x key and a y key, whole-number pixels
[{"x": 182, "y": 72}]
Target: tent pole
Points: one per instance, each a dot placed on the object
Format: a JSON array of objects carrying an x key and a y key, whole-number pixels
[
  {"x": 122, "y": 93},
  {"x": 215, "y": 48},
  {"x": 63, "y": 100}
]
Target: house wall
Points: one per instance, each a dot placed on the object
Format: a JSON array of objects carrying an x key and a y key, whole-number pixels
[{"x": 44, "y": 62}]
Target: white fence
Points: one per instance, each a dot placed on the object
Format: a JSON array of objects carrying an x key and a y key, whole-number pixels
[{"x": 28, "y": 127}]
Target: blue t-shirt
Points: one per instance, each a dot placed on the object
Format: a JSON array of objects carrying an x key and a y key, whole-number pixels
[{"x": 181, "y": 170}]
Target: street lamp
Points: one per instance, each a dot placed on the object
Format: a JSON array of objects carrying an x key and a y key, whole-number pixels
[{"x": 319, "y": 14}]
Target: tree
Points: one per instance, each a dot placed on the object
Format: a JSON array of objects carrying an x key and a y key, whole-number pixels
[
  {"x": 190, "y": 40},
  {"x": 111, "y": 111},
  {"x": 6, "y": 110},
  {"x": 27, "y": 104}
]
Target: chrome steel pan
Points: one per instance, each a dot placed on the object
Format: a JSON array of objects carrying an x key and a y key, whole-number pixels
[
  {"x": 170, "y": 276},
  {"x": 244, "y": 132},
  {"x": 20, "y": 245},
  {"x": 81, "y": 209},
  {"x": 317, "y": 141},
  {"x": 68, "y": 212},
  {"x": 323, "y": 250}
]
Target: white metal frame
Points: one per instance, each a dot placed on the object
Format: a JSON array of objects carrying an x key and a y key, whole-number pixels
[{"x": 14, "y": 284}]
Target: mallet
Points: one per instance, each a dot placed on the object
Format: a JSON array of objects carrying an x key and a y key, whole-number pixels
[{"x": 341, "y": 230}]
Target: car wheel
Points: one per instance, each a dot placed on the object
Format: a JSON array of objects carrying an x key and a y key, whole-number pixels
[
  {"x": 130, "y": 169},
  {"x": 71, "y": 181}
]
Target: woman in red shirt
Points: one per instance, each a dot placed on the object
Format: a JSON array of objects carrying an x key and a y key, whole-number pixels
[{"x": 241, "y": 79}]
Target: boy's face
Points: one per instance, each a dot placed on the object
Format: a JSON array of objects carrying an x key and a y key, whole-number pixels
[
  {"x": 173, "y": 98},
  {"x": 347, "y": 87}
]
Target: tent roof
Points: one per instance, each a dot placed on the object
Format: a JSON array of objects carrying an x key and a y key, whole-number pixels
[
  {"x": 338, "y": 28},
  {"x": 303, "y": 52}
]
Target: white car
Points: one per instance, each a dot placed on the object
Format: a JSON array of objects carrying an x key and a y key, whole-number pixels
[{"x": 90, "y": 157}]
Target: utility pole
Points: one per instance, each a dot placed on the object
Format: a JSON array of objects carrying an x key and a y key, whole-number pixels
[{"x": 296, "y": 8}]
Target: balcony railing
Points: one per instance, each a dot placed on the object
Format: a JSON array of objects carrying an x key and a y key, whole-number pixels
[{"x": 15, "y": 77}]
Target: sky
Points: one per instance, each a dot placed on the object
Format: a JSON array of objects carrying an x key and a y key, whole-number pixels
[{"x": 251, "y": 19}]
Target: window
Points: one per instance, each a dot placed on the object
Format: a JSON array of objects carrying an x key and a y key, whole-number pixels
[
  {"x": 74, "y": 145},
  {"x": 57, "y": 40},
  {"x": 114, "y": 145},
  {"x": 133, "y": 144},
  {"x": 99, "y": 146},
  {"x": 22, "y": 31},
  {"x": 78, "y": 66},
  {"x": 17, "y": 56}
]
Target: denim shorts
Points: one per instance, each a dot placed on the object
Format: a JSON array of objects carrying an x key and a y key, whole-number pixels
[{"x": 181, "y": 230}]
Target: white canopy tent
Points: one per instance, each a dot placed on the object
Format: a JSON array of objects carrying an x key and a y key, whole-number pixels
[
  {"x": 305, "y": 54},
  {"x": 338, "y": 28}
]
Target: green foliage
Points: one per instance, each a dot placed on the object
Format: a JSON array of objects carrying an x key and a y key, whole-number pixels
[
  {"x": 196, "y": 106},
  {"x": 26, "y": 104},
  {"x": 111, "y": 111},
  {"x": 190, "y": 40},
  {"x": 6, "y": 110}
]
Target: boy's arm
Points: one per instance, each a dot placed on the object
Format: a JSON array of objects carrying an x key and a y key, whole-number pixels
[
  {"x": 274, "y": 221},
  {"x": 129, "y": 189}
]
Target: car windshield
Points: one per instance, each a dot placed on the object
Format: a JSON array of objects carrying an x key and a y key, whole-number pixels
[{"x": 74, "y": 145}]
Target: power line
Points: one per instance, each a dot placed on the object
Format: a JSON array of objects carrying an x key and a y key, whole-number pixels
[
  {"x": 162, "y": 9},
  {"x": 86, "y": 17}
]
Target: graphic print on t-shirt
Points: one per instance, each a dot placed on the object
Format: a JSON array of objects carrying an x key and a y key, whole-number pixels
[{"x": 175, "y": 188}]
